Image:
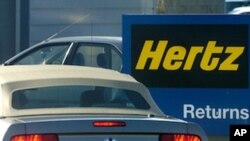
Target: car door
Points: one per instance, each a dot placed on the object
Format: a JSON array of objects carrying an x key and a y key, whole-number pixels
[{"x": 97, "y": 55}]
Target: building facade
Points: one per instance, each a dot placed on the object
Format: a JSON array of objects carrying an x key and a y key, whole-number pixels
[{"x": 26, "y": 22}]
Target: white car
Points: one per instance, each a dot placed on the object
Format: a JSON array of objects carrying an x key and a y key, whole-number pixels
[
  {"x": 72, "y": 103},
  {"x": 95, "y": 51},
  {"x": 244, "y": 10}
]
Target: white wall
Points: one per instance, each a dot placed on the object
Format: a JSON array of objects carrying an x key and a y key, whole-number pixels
[{"x": 99, "y": 17}]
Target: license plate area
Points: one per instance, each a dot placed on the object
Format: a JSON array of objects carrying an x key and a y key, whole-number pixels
[{"x": 110, "y": 137}]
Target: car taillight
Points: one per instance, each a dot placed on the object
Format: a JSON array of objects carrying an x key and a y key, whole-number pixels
[
  {"x": 35, "y": 137},
  {"x": 109, "y": 124},
  {"x": 179, "y": 137}
]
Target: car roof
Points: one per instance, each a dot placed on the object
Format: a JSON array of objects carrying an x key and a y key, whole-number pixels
[
  {"x": 18, "y": 77},
  {"x": 114, "y": 40},
  {"x": 16, "y": 73},
  {"x": 240, "y": 10}
]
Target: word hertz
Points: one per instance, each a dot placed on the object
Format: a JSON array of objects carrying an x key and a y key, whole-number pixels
[{"x": 176, "y": 55}]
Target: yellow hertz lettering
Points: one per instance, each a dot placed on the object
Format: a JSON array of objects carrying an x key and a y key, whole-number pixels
[{"x": 175, "y": 56}]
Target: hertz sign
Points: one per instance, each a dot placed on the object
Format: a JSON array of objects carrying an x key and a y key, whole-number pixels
[
  {"x": 195, "y": 66},
  {"x": 175, "y": 56},
  {"x": 197, "y": 56}
]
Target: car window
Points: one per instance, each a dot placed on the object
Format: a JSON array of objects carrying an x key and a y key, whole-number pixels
[
  {"x": 48, "y": 54},
  {"x": 77, "y": 96},
  {"x": 116, "y": 60},
  {"x": 97, "y": 55}
]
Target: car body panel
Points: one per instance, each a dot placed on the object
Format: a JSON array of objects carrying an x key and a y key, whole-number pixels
[
  {"x": 80, "y": 126},
  {"x": 244, "y": 10}
]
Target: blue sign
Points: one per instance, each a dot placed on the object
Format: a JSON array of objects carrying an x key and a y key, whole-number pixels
[{"x": 196, "y": 66}]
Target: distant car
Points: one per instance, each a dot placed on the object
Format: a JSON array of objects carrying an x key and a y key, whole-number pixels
[
  {"x": 244, "y": 10},
  {"x": 71, "y": 103},
  {"x": 97, "y": 51}
]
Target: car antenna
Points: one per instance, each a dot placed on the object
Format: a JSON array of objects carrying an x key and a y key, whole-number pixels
[{"x": 65, "y": 28}]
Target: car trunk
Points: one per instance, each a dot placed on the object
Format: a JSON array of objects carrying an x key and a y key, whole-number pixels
[
  {"x": 103, "y": 128},
  {"x": 110, "y": 137}
]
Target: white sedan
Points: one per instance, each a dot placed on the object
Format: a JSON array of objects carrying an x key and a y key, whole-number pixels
[
  {"x": 95, "y": 51},
  {"x": 243, "y": 10},
  {"x": 71, "y": 103}
]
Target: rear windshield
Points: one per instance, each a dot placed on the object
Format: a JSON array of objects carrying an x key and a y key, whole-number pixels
[{"x": 77, "y": 96}]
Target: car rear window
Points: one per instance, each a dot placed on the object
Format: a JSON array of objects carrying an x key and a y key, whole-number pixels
[{"x": 77, "y": 96}]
